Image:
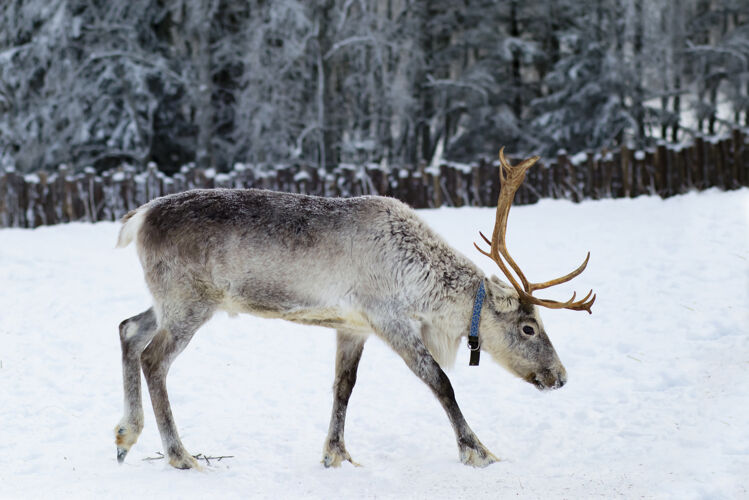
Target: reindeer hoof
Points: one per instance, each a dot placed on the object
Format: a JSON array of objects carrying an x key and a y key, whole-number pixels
[
  {"x": 336, "y": 461},
  {"x": 477, "y": 456},
  {"x": 334, "y": 455},
  {"x": 331, "y": 461},
  {"x": 183, "y": 461},
  {"x": 125, "y": 437}
]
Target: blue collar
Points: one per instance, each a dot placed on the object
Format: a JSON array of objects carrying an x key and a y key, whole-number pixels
[{"x": 473, "y": 337}]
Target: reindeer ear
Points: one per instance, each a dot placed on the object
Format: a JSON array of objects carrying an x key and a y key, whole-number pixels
[{"x": 503, "y": 296}]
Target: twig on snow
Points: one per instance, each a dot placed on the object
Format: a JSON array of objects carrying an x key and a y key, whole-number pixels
[
  {"x": 207, "y": 459},
  {"x": 199, "y": 456}
]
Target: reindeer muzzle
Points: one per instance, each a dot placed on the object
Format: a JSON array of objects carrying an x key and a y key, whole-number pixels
[{"x": 547, "y": 379}]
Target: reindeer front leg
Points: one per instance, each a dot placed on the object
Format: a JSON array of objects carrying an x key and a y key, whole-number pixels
[
  {"x": 348, "y": 354},
  {"x": 403, "y": 336}
]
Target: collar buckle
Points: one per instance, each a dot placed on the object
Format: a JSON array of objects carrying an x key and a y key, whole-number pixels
[{"x": 473, "y": 343}]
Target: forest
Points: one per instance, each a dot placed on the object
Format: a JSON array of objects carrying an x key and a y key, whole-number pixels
[{"x": 95, "y": 83}]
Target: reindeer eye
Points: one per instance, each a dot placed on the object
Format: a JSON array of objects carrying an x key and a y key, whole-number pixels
[{"x": 528, "y": 330}]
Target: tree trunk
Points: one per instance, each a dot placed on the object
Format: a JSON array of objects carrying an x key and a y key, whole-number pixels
[
  {"x": 637, "y": 96},
  {"x": 203, "y": 105},
  {"x": 423, "y": 135},
  {"x": 551, "y": 41},
  {"x": 677, "y": 51},
  {"x": 517, "y": 102},
  {"x": 321, "y": 109},
  {"x": 329, "y": 133}
]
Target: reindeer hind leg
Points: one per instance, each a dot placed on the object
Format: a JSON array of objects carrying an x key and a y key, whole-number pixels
[
  {"x": 135, "y": 334},
  {"x": 173, "y": 336},
  {"x": 348, "y": 353}
]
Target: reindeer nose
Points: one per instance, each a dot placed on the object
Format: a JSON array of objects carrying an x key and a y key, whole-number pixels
[{"x": 561, "y": 380}]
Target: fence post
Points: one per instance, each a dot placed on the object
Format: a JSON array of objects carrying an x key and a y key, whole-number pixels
[
  {"x": 649, "y": 170},
  {"x": 659, "y": 172},
  {"x": 637, "y": 172},
  {"x": 346, "y": 176},
  {"x": 716, "y": 153},
  {"x": 89, "y": 192},
  {"x": 422, "y": 188},
  {"x": 153, "y": 183},
  {"x": 375, "y": 177},
  {"x": 301, "y": 179},
  {"x": 562, "y": 175},
  {"x": 16, "y": 188},
  {"x": 41, "y": 199},
  {"x": 493, "y": 173},
  {"x": 745, "y": 160},
  {"x": 240, "y": 175},
  {"x": 591, "y": 186},
  {"x": 411, "y": 193},
  {"x": 607, "y": 166},
  {"x": 3, "y": 198},
  {"x": 738, "y": 166},
  {"x": 475, "y": 183},
  {"x": 107, "y": 194},
  {"x": 433, "y": 179},
  {"x": 729, "y": 171},
  {"x": 179, "y": 182},
  {"x": 45, "y": 201},
  {"x": 99, "y": 200},
  {"x": 671, "y": 171},
  {"x": 465, "y": 180},
  {"x": 316, "y": 183},
  {"x": 280, "y": 177},
  {"x": 30, "y": 198},
  {"x": 443, "y": 184},
  {"x": 132, "y": 202},
  {"x": 168, "y": 185},
  {"x": 23, "y": 200},
  {"x": 535, "y": 181},
  {"x": 119, "y": 191},
  {"x": 626, "y": 169},
  {"x": 680, "y": 170},
  {"x": 58, "y": 194},
  {"x": 451, "y": 183},
  {"x": 699, "y": 175}
]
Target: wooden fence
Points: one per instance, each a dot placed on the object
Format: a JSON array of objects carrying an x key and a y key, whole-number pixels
[{"x": 49, "y": 198}]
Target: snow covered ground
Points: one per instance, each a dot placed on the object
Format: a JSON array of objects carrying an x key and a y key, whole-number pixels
[{"x": 657, "y": 403}]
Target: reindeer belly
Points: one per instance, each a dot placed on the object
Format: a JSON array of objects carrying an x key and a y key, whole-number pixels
[
  {"x": 269, "y": 306},
  {"x": 330, "y": 317}
]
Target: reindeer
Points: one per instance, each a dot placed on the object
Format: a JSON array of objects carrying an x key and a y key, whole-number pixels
[{"x": 359, "y": 265}]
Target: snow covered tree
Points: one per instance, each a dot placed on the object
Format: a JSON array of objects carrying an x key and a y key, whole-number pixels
[{"x": 92, "y": 82}]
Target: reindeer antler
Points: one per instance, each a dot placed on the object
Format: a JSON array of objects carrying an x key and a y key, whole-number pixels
[{"x": 511, "y": 178}]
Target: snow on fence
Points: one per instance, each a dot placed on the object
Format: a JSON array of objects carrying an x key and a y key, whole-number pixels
[{"x": 49, "y": 198}]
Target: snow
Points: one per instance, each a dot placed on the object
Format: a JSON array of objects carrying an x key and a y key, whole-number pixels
[
  {"x": 579, "y": 158},
  {"x": 462, "y": 167},
  {"x": 656, "y": 404},
  {"x": 302, "y": 175}
]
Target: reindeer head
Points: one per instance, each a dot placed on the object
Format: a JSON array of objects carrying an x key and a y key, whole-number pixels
[{"x": 512, "y": 330}]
